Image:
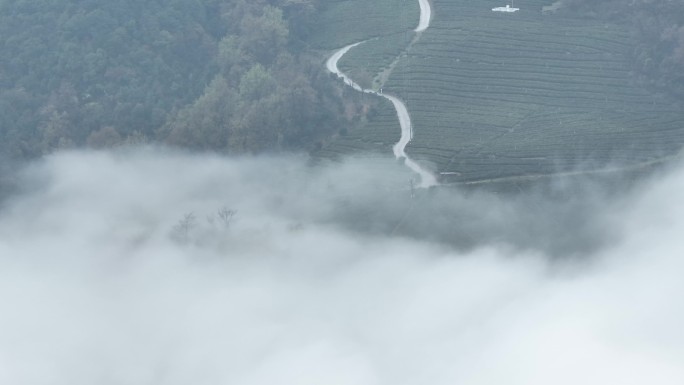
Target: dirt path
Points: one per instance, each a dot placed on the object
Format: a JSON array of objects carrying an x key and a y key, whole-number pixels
[{"x": 427, "y": 179}]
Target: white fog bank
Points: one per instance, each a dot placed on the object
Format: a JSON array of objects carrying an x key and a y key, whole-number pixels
[{"x": 100, "y": 285}]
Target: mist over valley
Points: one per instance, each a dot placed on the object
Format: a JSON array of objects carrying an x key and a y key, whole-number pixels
[
  {"x": 97, "y": 285},
  {"x": 341, "y": 192}
]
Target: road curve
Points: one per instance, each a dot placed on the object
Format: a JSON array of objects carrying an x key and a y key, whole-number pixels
[
  {"x": 425, "y": 15},
  {"x": 331, "y": 65},
  {"x": 427, "y": 179}
]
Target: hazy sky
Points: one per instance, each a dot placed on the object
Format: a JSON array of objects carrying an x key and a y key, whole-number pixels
[{"x": 98, "y": 285}]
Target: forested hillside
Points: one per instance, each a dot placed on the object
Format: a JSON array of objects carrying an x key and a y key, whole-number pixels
[{"x": 226, "y": 75}]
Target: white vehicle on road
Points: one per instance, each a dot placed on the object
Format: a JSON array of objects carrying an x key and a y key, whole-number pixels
[{"x": 507, "y": 8}]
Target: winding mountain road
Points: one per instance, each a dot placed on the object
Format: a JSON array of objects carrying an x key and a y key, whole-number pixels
[
  {"x": 427, "y": 179},
  {"x": 425, "y": 15}
]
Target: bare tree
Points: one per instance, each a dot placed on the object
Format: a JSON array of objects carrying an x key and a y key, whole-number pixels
[
  {"x": 226, "y": 215},
  {"x": 181, "y": 230}
]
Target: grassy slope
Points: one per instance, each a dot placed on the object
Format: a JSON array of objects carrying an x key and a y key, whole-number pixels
[{"x": 499, "y": 95}]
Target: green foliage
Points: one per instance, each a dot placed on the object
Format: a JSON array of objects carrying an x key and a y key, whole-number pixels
[
  {"x": 195, "y": 73},
  {"x": 86, "y": 65},
  {"x": 264, "y": 35},
  {"x": 206, "y": 124},
  {"x": 256, "y": 83}
]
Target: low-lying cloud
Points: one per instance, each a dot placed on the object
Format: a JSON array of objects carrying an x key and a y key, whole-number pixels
[{"x": 154, "y": 267}]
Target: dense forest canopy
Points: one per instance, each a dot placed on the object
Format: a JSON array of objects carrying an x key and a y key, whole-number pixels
[{"x": 227, "y": 75}]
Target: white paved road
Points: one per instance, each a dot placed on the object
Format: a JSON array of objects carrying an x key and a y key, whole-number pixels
[
  {"x": 427, "y": 179},
  {"x": 425, "y": 15}
]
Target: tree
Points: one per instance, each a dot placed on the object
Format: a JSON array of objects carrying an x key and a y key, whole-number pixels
[
  {"x": 181, "y": 231},
  {"x": 264, "y": 35},
  {"x": 256, "y": 83},
  {"x": 206, "y": 124}
]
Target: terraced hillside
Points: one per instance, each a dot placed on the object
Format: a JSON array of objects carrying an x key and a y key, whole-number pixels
[
  {"x": 388, "y": 26},
  {"x": 344, "y": 22},
  {"x": 502, "y": 95}
]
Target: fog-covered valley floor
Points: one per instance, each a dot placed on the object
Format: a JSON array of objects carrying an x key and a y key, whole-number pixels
[{"x": 157, "y": 267}]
